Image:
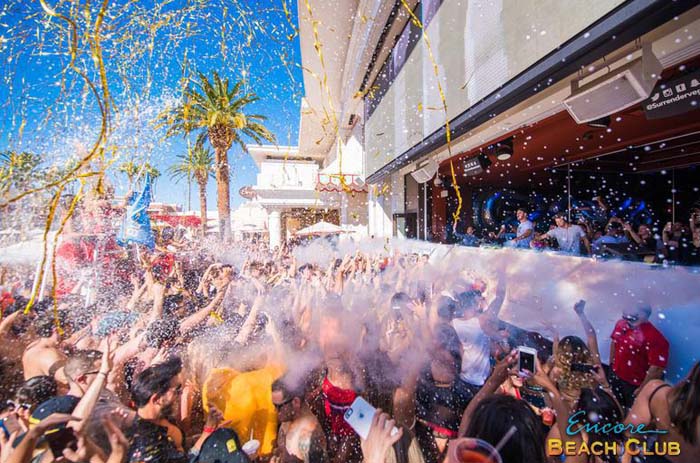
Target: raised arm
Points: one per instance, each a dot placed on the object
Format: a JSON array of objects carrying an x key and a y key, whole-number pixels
[
  {"x": 250, "y": 321},
  {"x": 591, "y": 336},
  {"x": 199, "y": 316},
  {"x": 87, "y": 403},
  {"x": 498, "y": 376}
]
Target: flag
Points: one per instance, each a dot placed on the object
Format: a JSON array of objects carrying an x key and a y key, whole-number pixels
[{"x": 136, "y": 227}]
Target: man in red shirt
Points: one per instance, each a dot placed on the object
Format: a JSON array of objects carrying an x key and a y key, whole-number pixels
[{"x": 638, "y": 353}]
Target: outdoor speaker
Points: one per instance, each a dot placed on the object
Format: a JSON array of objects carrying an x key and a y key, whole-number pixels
[
  {"x": 619, "y": 89},
  {"x": 425, "y": 173}
]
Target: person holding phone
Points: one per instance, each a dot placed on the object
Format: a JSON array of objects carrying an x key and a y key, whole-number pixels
[{"x": 573, "y": 359}]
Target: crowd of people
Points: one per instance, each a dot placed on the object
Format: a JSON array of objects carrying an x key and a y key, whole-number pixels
[
  {"x": 186, "y": 354},
  {"x": 676, "y": 243}
]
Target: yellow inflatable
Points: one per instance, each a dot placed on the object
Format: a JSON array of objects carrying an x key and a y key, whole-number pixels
[{"x": 246, "y": 400}]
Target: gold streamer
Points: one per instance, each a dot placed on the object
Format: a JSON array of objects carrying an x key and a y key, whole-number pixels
[
  {"x": 318, "y": 46},
  {"x": 448, "y": 135}
]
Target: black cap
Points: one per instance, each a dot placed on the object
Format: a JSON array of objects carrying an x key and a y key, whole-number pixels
[
  {"x": 222, "y": 446},
  {"x": 61, "y": 404}
]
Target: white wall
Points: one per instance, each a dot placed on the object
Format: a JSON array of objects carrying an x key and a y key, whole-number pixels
[
  {"x": 477, "y": 46},
  {"x": 379, "y": 212},
  {"x": 287, "y": 174}
]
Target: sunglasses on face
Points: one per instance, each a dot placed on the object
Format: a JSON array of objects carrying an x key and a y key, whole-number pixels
[
  {"x": 18, "y": 405},
  {"x": 279, "y": 406},
  {"x": 631, "y": 318}
]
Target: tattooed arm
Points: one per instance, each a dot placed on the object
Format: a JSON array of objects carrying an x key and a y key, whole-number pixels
[{"x": 312, "y": 446}]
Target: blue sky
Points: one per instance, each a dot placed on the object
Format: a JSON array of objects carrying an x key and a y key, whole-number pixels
[{"x": 250, "y": 39}]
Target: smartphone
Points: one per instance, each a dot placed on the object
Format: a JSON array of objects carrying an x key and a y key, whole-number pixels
[
  {"x": 9, "y": 424},
  {"x": 359, "y": 416},
  {"x": 526, "y": 359},
  {"x": 583, "y": 367},
  {"x": 60, "y": 439}
]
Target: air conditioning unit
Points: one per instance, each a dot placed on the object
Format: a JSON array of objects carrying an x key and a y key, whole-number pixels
[
  {"x": 426, "y": 172},
  {"x": 620, "y": 88}
]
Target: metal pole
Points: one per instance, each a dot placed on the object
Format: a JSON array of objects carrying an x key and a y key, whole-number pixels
[
  {"x": 673, "y": 195},
  {"x": 425, "y": 211},
  {"x": 568, "y": 191}
]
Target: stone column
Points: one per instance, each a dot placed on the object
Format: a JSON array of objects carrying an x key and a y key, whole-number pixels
[{"x": 275, "y": 228}]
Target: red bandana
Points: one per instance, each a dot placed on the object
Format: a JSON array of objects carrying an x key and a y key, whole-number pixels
[{"x": 336, "y": 401}]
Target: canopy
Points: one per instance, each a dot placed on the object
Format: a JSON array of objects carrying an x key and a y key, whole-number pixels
[
  {"x": 175, "y": 220},
  {"x": 320, "y": 228}
]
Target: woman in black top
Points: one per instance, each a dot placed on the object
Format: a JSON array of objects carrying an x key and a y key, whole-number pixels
[{"x": 441, "y": 396}]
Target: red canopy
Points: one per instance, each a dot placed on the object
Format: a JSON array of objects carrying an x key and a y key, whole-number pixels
[{"x": 175, "y": 220}]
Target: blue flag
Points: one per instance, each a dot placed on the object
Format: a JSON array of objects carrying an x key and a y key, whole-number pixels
[{"x": 136, "y": 227}]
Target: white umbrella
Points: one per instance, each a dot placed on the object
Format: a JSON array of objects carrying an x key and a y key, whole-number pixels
[{"x": 320, "y": 228}]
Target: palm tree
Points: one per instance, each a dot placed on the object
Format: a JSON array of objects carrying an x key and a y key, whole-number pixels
[
  {"x": 197, "y": 164},
  {"x": 132, "y": 169},
  {"x": 19, "y": 171},
  {"x": 216, "y": 111}
]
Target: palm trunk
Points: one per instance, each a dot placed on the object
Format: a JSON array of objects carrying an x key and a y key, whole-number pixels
[
  {"x": 223, "y": 202},
  {"x": 203, "y": 206}
]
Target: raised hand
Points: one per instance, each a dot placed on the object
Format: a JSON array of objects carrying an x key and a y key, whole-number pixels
[
  {"x": 542, "y": 379},
  {"x": 117, "y": 440},
  {"x": 6, "y": 448},
  {"x": 380, "y": 438},
  {"x": 108, "y": 348}
]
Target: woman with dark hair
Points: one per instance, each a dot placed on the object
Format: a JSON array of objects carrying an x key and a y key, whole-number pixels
[
  {"x": 441, "y": 395},
  {"x": 496, "y": 415},
  {"x": 491, "y": 416},
  {"x": 596, "y": 406},
  {"x": 674, "y": 409}
]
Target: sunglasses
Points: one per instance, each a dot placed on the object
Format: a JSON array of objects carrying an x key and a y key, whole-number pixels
[
  {"x": 279, "y": 406},
  {"x": 18, "y": 405},
  {"x": 631, "y": 318}
]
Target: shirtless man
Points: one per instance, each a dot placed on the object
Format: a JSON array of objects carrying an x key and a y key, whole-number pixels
[
  {"x": 300, "y": 438},
  {"x": 43, "y": 356}
]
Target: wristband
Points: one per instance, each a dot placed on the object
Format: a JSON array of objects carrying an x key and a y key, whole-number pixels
[{"x": 209, "y": 429}]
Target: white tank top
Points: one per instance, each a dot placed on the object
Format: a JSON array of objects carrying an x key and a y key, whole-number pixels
[{"x": 476, "y": 364}]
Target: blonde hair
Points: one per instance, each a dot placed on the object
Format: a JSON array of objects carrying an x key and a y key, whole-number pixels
[{"x": 570, "y": 350}]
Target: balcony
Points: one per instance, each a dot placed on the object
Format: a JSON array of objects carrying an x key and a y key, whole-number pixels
[{"x": 287, "y": 175}]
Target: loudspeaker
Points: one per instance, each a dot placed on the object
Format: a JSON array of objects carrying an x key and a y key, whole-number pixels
[
  {"x": 619, "y": 89},
  {"x": 425, "y": 173}
]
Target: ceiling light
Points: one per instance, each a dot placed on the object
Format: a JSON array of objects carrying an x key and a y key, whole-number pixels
[{"x": 504, "y": 149}]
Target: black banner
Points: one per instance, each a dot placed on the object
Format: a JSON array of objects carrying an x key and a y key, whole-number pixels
[{"x": 674, "y": 97}]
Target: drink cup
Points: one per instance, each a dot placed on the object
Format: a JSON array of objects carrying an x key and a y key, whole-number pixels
[
  {"x": 548, "y": 416},
  {"x": 468, "y": 450},
  {"x": 251, "y": 448}
]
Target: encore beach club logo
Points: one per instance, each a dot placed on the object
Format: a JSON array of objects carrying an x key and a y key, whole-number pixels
[{"x": 624, "y": 438}]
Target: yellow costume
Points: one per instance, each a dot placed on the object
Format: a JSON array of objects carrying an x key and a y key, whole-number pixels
[{"x": 246, "y": 400}]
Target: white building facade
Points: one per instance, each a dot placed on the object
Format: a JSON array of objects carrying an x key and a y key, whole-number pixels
[{"x": 295, "y": 191}]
